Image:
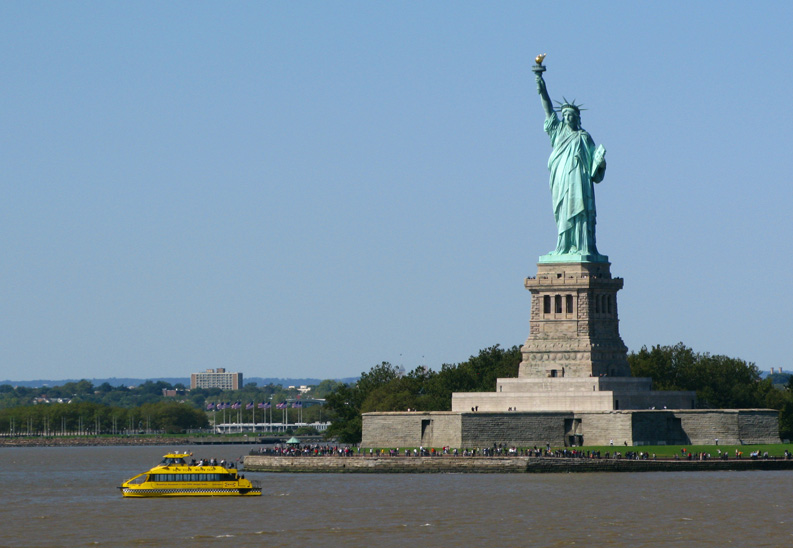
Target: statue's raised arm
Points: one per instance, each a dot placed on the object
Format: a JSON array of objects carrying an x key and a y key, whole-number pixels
[{"x": 538, "y": 69}]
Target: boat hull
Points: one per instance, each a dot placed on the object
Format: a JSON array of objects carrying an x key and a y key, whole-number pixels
[{"x": 148, "y": 492}]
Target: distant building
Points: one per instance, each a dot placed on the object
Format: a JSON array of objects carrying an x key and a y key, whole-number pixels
[{"x": 216, "y": 378}]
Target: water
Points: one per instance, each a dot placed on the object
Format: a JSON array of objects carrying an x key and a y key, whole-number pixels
[{"x": 69, "y": 497}]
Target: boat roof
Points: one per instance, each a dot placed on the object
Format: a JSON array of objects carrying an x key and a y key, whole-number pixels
[{"x": 177, "y": 455}]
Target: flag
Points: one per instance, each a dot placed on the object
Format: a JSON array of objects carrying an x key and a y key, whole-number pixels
[
  {"x": 249, "y": 406},
  {"x": 236, "y": 405},
  {"x": 281, "y": 405},
  {"x": 267, "y": 405},
  {"x": 297, "y": 405},
  {"x": 261, "y": 406},
  {"x": 210, "y": 406}
]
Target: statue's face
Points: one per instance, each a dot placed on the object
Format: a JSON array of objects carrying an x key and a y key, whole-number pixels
[{"x": 571, "y": 119}]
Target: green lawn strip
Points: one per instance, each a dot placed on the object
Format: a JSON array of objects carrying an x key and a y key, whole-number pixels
[
  {"x": 660, "y": 451},
  {"x": 670, "y": 451}
]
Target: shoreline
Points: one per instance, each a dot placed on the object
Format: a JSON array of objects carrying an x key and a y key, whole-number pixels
[
  {"x": 498, "y": 465},
  {"x": 117, "y": 441}
]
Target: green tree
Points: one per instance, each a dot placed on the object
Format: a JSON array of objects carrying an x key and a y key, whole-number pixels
[
  {"x": 667, "y": 366},
  {"x": 491, "y": 364},
  {"x": 324, "y": 388},
  {"x": 344, "y": 409},
  {"x": 786, "y": 419},
  {"x": 720, "y": 382},
  {"x": 173, "y": 417}
]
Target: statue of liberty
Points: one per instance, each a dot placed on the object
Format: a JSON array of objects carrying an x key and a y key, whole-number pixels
[{"x": 575, "y": 165}]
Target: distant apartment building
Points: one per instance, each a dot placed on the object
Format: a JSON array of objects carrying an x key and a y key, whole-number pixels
[{"x": 216, "y": 378}]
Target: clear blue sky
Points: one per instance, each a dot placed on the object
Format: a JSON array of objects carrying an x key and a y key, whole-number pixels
[{"x": 310, "y": 188}]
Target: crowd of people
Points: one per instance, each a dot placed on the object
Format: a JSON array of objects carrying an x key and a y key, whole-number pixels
[
  {"x": 213, "y": 462},
  {"x": 308, "y": 450},
  {"x": 496, "y": 450}
]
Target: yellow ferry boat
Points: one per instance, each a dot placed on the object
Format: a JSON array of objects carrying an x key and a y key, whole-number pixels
[{"x": 175, "y": 477}]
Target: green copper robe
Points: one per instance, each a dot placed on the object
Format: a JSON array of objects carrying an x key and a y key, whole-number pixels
[{"x": 572, "y": 190}]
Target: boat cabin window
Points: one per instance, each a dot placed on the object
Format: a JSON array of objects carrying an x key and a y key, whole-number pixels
[{"x": 192, "y": 477}]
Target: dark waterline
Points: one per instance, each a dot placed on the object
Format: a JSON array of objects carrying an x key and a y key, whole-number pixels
[{"x": 69, "y": 497}]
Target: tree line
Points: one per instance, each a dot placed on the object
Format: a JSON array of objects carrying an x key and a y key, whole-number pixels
[
  {"x": 88, "y": 418},
  {"x": 80, "y": 407},
  {"x": 151, "y": 392}
]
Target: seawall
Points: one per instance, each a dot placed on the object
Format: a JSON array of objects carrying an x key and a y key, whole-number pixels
[{"x": 499, "y": 465}]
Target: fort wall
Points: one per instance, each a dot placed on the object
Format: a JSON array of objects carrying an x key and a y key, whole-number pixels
[{"x": 567, "y": 428}]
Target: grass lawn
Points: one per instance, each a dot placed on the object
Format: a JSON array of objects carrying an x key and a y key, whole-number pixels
[{"x": 661, "y": 451}]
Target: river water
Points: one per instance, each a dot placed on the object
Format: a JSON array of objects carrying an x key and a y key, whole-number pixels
[{"x": 69, "y": 497}]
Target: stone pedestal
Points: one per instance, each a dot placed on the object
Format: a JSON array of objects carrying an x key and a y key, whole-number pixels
[
  {"x": 574, "y": 326},
  {"x": 574, "y": 359}
]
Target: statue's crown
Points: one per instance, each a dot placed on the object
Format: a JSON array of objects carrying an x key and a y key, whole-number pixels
[{"x": 570, "y": 105}]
